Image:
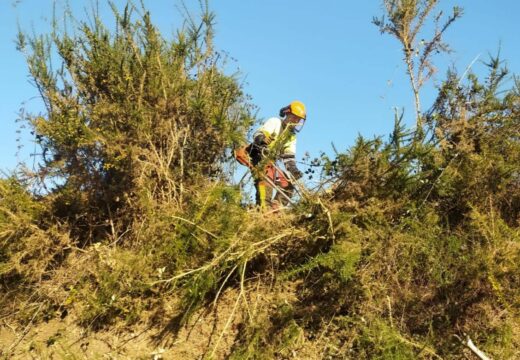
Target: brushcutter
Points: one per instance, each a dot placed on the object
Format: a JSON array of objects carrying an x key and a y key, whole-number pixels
[{"x": 273, "y": 172}]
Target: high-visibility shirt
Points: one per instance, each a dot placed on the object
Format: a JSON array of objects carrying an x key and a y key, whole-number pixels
[{"x": 272, "y": 129}]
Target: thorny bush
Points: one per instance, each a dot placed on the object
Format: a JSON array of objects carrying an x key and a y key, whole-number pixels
[{"x": 413, "y": 246}]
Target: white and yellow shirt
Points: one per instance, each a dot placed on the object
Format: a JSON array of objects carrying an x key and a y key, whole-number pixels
[{"x": 272, "y": 129}]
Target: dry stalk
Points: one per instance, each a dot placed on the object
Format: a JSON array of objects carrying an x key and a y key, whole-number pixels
[
  {"x": 242, "y": 280},
  {"x": 419, "y": 346},
  {"x": 182, "y": 161},
  {"x": 329, "y": 217},
  {"x": 476, "y": 350},
  {"x": 228, "y": 322},
  {"x": 141, "y": 84},
  {"x": 197, "y": 226},
  {"x": 206, "y": 200},
  {"x": 255, "y": 306},
  {"x": 324, "y": 331},
  {"x": 471, "y": 345},
  {"x": 213, "y": 263},
  {"x": 232, "y": 316},
  {"x": 265, "y": 244},
  {"x": 235, "y": 256},
  {"x": 390, "y": 317},
  {"x": 223, "y": 284}
]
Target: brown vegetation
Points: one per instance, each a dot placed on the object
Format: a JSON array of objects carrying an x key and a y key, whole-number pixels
[{"x": 130, "y": 231}]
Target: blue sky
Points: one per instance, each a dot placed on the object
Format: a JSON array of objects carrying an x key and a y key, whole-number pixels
[{"x": 326, "y": 53}]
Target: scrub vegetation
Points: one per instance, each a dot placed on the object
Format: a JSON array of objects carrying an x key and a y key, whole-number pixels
[{"x": 131, "y": 220}]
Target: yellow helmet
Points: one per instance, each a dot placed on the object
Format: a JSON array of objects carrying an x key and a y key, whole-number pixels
[{"x": 298, "y": 108}]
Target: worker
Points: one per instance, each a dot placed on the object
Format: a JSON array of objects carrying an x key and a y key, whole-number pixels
[{"x": 276, "y": 139}]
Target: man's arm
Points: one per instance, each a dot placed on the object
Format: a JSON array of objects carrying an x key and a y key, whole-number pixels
[
  {"x": 289, "y": 161},
  {"x": 289, "y": 158}
]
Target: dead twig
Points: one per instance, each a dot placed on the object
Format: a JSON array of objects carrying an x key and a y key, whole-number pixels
[
  {"x": 230, "y": 318},
  {"x": 329, "y": 217},
  {"x": 24, "y": 332},
  {"x": 471, "y": 345},
  {"x": 197, "y": 226},
  {"x": 223, "y": 284}
]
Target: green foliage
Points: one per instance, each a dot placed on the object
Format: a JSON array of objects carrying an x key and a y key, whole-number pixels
[
  {"x": 17, "y": 212},
  {"x": 254, "y": 347},
  {"x": 476, "y": 128},
  {"x": 415, "y": 245},
  {"x": 113, "y": 286},
  {"x": 130, "y": 115},
  {"x": 28, "y": 246},
  {"x": 381, "y": 341},
  {"x": 374, "y": 168},
  {"x": 340, "y": 261},
  {"x": 274, "y": 335}
]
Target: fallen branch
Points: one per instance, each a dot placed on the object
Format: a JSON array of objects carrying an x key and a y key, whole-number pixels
[
  {"x": 249, "y": 251},
  {"x": 469, "y": 343}
]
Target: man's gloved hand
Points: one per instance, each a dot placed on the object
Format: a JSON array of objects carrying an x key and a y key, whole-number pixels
[
  {"x": 290, "y": 165},
  {"x": 262, "y": 140},
  {"x": 297, "y": 174}
]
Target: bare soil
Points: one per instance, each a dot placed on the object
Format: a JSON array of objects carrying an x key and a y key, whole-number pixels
[{"x": 63, "y": 339}]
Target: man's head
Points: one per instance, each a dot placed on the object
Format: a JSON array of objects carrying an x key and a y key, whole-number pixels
[{"x": 294, "y": 115}]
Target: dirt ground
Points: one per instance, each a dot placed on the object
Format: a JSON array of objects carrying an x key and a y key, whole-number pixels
[
  {"x": 211, "y": 333},
  {"x": 63, "y": 339}
]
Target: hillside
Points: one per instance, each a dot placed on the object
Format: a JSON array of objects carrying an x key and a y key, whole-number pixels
[{"x": 132, "y": 239}]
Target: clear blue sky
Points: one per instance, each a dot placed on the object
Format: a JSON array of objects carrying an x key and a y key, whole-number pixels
[{"x": 324, "y": 53}]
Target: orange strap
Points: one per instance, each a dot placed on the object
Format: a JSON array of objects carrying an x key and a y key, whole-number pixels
[{"x": 242, "y": 157}]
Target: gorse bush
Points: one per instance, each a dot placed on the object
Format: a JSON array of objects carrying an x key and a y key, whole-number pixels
[
  {"x": 476, "y": 126},
  {"x": 136, "y": 127},
  {"x": 131, "y": 117},
  {"x": 30, "y": 244}
]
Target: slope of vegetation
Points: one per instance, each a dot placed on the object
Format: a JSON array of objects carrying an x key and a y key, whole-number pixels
[{"x": 131, "y": 219}]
